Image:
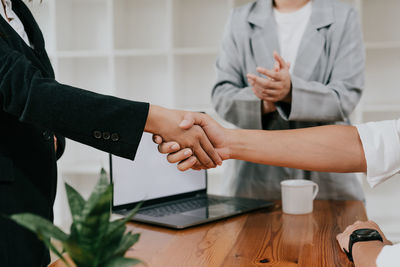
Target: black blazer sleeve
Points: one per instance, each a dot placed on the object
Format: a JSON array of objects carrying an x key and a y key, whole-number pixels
[{"x": 108, "y": 123}]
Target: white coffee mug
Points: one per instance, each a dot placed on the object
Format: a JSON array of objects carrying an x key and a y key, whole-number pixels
[{"x": 298, "y": 196}]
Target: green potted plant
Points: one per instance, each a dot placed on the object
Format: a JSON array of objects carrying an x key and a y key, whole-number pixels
[{"x": 93, "y": 241}]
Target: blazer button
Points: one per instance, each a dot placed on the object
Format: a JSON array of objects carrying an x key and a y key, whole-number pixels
[
  {"x": 97, "y": 134},
  {"x": 115, "y": 137},
  {"x": 106, "y": 135},
  {"x": 46, "y": 135}
]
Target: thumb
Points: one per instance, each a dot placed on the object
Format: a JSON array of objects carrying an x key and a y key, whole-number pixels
[
  {"x": 187, "y": 122},
  {"x": 193, "y": 118}
]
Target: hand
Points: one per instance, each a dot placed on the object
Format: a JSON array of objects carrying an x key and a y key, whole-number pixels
[
  {"x": 165, "y": 122},
  {"x": 344, "y": 237},
  {"x": 277, "y": 86},
  {"x": 268, "y": 106},
  {"x": 55, "y": 143},
  {"x": 216, "y": 133}
]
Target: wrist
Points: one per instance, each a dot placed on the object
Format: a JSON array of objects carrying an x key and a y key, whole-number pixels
[
  {"x": 267, "y": 107},
  {"x": 154, "y": 117},
  {"x": 366, "y": 253},
  {"x": 288, "y": 97},
  {"x": 235, "y": 143}
]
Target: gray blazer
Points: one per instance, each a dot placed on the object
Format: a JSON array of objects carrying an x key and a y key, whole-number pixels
[{"x": 327, "y": 81}]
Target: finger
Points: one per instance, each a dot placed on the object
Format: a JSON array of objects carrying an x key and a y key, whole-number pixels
[
  {"x": 256, "y": 92},
  {"x": 259, "y": 93},
  {"x": 266, "y": 92},
  {"x": 210, "y": 150},
  {"x": 250, "y": 81},
  {"x": 266, "y": 83},
  {"x": 187, "y": 164},
  {"x": 271, "y": 93},
  {"x": 277, "y": 67},
  {"x": 157, "y": 139},
  {"x": 203, "y": 157},
  {"x": 168, "y": 147},
  {"x": 277, "y": 76},
  {"x": 197, "y": 166},
  {"x": 251, "y": 77},
  {"x": 272, "y": 99},
  {"x": 281, "y": 61},
  {"x": 180, "y": 155}
]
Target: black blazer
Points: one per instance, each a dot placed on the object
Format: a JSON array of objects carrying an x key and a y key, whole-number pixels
[{"x": 34, "y": 106}]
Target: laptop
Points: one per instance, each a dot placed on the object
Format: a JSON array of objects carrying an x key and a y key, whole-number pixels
[{"x": 172, "y": 198}]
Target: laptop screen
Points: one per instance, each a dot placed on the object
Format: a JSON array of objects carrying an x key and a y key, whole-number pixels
[{"x": 150, "y": 176}]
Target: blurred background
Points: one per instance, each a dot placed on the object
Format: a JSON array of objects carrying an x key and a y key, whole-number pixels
[{"x": 164, "y": 52}]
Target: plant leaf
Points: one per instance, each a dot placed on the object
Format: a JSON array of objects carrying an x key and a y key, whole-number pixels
[
  {"x": 121, "y": 262},
  {"x": 127, "y": 241},
  {"x": 121, "y": 222},
  {"x": 76, "y": 202},
  {"x": 80, "y": 255},
  {"x": 118, "y": 247},
  {"x": 114, "y": 236},
  {"x": 40, "y": 226},
  {"x": 94, "y": 223},
  {"x": 111, "y": 243},
  {"x": 48, "y": 243},
  {"x": 89, "y": 229}
]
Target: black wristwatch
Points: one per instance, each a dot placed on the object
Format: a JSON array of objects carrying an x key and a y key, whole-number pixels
[{"x": 362, "y": 235}]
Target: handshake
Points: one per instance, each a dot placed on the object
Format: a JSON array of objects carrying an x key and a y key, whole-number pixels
[{"x": 193, "y": 140}]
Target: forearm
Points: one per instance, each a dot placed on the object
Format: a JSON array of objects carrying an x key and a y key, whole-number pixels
[
  {"x": 366, "y": 253},
  {"x": 334, "y": 101},
  {"x": 331, "y": 148}
]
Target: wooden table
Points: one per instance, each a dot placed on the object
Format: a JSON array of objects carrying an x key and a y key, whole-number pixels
[{"x": 261, "y": 238}]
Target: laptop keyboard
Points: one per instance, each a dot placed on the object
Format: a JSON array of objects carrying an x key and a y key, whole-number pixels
[{"x": 179, "y": 207}]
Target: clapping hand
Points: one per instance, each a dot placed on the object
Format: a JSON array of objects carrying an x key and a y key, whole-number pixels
[{"x": 276, "y": 87}]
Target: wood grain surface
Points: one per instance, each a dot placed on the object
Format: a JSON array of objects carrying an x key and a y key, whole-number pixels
[{"x": 261, "y": 238}]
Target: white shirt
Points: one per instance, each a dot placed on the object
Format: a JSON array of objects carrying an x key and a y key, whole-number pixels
[
  {"x": 14, "y": 22},
  {"x": 381, "y": 143},
  {"x": 290, "y": 28}
]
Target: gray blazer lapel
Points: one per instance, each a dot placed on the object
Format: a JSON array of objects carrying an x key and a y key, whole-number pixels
[
  {"x": 264, "y": 39},
  {"x": 313, "y": 42}
]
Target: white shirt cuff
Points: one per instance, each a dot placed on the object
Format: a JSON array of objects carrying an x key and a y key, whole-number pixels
[
  {"x": 389, "y": 256},
  {"x": 381, "y": 145}
]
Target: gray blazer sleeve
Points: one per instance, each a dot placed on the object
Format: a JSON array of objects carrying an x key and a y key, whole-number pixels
[
  {"x": 336, "y": 100},
  {"x": 233, "y": 100}
]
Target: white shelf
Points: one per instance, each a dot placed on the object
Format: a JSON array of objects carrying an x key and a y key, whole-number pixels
[
  {"x": 88, "y": 73},
  {"x": 140, "y": 52},
  {"x": 196, "y": 51},
  {"x": 83, "y": 25},
  {"x": 81, "y": 54},
  {"x": 194, "y": 79},
  {"x": 381, "y": 108},
  {"x": 143, "y": 79},
  {"x": 42, "y": 11},
  {"x": 381, "y": 77},
  {"x": 199, "y": 23},
  {"x": 80, "y": 159},
  {"x": 140, "y": 24},
  {"x": 383, "y": 45},
  {"x": 380, "y": 115},
  {"x": 381, "y": 20}
]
